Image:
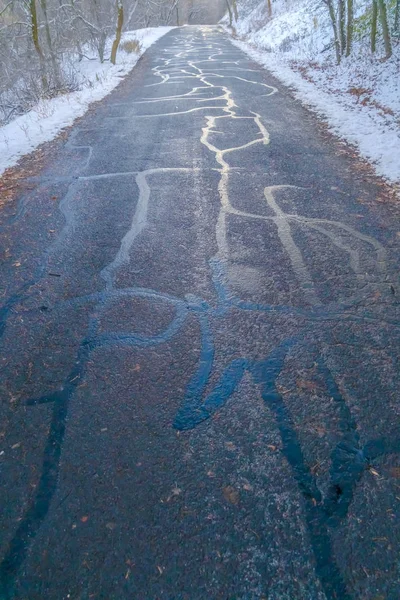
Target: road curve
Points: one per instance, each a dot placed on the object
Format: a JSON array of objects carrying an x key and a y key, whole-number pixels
[{"x": 200, "y": 335}]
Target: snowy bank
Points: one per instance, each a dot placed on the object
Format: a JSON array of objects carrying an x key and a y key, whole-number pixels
[
  {"x": 49, "y": 117},
  {"x": 360, "y": 98}
]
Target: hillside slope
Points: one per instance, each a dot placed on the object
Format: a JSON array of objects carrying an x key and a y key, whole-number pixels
[{"x": 360, "y": 98}]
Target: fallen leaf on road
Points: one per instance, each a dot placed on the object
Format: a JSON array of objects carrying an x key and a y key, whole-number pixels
[
  {"x": 320, "y": 430},
  {"x": 308, "y": 386},
  {"x": 84, "y": 519},
  {"x": 230, "y": 494},
  {"x": 230, "y": 446}
]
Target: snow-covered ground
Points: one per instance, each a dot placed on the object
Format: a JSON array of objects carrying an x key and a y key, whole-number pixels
[
  {"x": 49, "y": 117},
  {"x": 360, "y": 98}
]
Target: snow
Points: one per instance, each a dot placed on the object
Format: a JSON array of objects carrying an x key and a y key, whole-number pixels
[
  {"x": 49, "y": 117},
  {"x": 360, "y": 98}
]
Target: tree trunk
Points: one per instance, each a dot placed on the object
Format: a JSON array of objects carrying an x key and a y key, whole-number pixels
[
  {"x": 177, "y": 14},
  {"x": 120, "y": 22},
  {"x": 396, "y": 25},
  {"x": 269, "y": 4},
  {"x": 235, "y": 10},
  {"x": 53, "y": 59},
  {"x": 79, "y": 50},
  {"x": 342, "y": 25},
  {"x": 101, "y": 45},
  {"x": 36, "y": 43},
  {"x": 350, "y": 26},
  {"x": 230, "y": 13},
  {"x": 335, "y": 29},
  {"x": 132, "y": 12},
  {"x": 385, "y": 27},
  {"x": 374, "y": 23}
]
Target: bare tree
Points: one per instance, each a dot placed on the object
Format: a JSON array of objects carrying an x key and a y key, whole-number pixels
[
  {"x": 342, "y": 25},
  {"x": 332, "y": 14},
  {"x": 35, "y": 38},
  {"x": 43, "y": 4},
  {"x": 42, "y": 40},
  {"x": 374, "y": 24},
  {"x": 350, "y": 27},
  {"x": 235, "y": 10},
  {"x": 341, "y": 14},
  {"x": 229, "y": 12},
  {"x": 118, "y": 33},
  {"x": 385, "y": 27}
]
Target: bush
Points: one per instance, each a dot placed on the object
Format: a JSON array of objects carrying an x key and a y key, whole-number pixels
[
  {"x": 23, "y": 93},
  {"x": 130, "y": 46}
]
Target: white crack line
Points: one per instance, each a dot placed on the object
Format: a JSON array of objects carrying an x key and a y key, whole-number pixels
[{"x": 139, "y": 221}]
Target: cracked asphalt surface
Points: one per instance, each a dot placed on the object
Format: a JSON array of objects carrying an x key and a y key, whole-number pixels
[{"x": 200, "y": 335}]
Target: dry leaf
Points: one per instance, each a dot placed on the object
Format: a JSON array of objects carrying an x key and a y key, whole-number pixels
[
  {"x": 230, "y": 494},
  {"x": 320, "y": 430},
  {"x": 230, "y": 446},
  {"x": 308, "y": 386}
]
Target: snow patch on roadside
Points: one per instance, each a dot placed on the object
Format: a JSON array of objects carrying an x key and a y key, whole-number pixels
[
  {"x": 361, "y": 125},
  {"x": 360, "y": 98},
  {"x": 49, "y": 117}
]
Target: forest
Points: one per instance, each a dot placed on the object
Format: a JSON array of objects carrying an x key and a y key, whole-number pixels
[
  {"x": 41, "y": 40},
  {"x": 341, "y": 58},
  {"x": 378, "y": 16}
]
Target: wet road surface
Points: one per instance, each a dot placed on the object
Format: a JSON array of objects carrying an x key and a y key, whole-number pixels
[{"x": 200, "y": 334}]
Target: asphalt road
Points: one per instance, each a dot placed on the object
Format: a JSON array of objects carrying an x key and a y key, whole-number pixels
[{"x": 200, "y": 321}]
